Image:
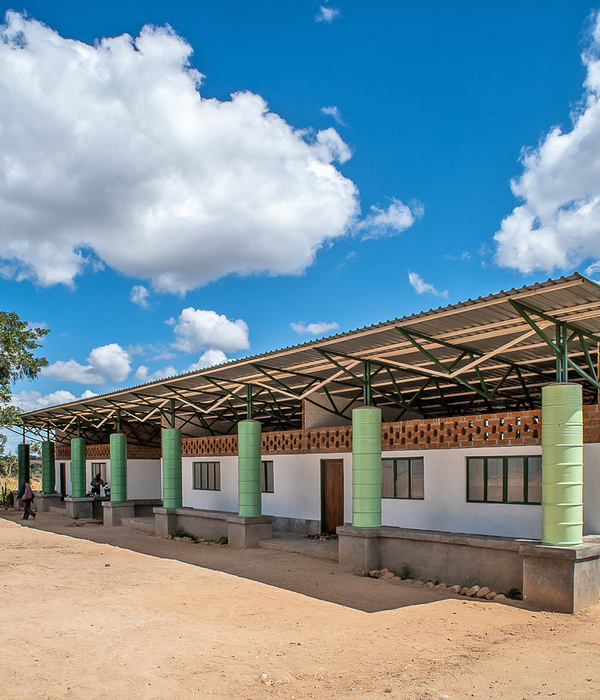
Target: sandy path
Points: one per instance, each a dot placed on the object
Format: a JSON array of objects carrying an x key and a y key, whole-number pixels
[{"x": 88, "y": 619}]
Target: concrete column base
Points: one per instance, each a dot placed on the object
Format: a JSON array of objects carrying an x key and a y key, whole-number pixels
[
  {"x": 44, "y": 501},
  {"x": 87, "y": 507},
  {"x": 112, "y": 512},
  {"x": 358, "y": 546},
  {"x": 244, "y": 533},
  {"x": 78, "y": 508},
  {"x": 165, "y": 520},
  {"x": 564, "y": 579}
]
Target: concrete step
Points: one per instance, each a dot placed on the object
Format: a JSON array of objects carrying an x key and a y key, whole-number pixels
[
  {"x": 320, "y": 549},
  {"x": 145, "y": 524},
  {"x": 58, "y": 509}
]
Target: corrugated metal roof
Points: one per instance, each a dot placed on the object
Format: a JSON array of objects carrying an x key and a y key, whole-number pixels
[{"x": 477, "y": 355}]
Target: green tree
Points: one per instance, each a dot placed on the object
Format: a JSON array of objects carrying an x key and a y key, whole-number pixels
[
  {"x": 8, "y": 462},
  {"x": 18, "y": 342}
]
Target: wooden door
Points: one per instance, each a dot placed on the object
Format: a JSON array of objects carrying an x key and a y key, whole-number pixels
[{"x": 332, "y": 494}]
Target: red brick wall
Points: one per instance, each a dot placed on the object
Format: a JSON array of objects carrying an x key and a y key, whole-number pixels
[
  {"x": 591, "y": 423},
  {"x": 97, "y": 452}
]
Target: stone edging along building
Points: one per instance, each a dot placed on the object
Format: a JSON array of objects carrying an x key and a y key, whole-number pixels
[{"x": 464, "y": 441}]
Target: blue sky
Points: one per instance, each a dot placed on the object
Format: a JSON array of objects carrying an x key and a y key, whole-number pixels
[{"x": 361, "y": 172}]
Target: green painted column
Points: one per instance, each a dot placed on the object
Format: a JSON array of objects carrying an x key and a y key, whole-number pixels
[
  {"x": 118, "y": 467},
  {"x": 48, "y": 469},
  {"x": 78, "y": 468},
  {"x": 366, "y": 467},
  {"x": 249, "y": 481},
  {"x": 22, "y": 462},
  {"x": 171, "y": 458},
  {"x": 562, "y": 465}
]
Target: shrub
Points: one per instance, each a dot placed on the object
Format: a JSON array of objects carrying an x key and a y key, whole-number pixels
[
  {"x": 181, "y": 532},
  {"x": 405, "y": 571},
  {"x": 468, "y": 582}
]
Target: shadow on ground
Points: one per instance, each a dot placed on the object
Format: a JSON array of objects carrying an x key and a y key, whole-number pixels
[{"x": 314, "y": 577}]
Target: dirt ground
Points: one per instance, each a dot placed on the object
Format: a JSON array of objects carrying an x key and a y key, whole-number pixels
[{"x": 93, "y": 612}]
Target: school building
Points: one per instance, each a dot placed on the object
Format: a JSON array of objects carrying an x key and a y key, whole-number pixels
[{"x": 464, "y": 441}]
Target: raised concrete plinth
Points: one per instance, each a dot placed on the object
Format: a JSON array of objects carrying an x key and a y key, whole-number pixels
[
  {"x": 244, "y": 533},
  {"x": 165, "y": 521},
  {"x": 359, "y": 546},
  {"x": 88, "y": 507},
  {"x": 112, "y": 513},
  {"x": 241, "y": 533},
  {"x": 563, "y": 579},
  {"x": 45, "y": 501}
]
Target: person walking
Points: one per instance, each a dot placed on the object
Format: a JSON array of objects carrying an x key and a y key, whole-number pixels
[{"x": 26, "y": 495}]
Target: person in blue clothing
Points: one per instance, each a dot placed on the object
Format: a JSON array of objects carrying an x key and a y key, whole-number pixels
[{"x": 25, "y": 494}]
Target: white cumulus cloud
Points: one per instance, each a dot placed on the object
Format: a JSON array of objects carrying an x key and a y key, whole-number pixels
[
  {"x": 557, "y": 225},
  {"x": 319, "y": 328},
  {"x": 139, "y": 295},
  {"x": 107, "y": 361},
  {"x": 209, "y": 358},
  {"x": 143, "y": 374},
  {"x": 110, "y": 155},
  {"x": 198, "y": 329},
  {"x": 33, "y": 400},
  {"x": 393, "y": 220},
  {"x": 111, "y": 360},
  {"x": 422, "y": 287}
]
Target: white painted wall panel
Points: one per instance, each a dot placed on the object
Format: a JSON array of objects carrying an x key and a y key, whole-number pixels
[
  {"x": 143, "y": 478},
  {"x": 297, "y": 486},
  {"x": 445, "y": 506},
  {"x": 226, "y": 499}
]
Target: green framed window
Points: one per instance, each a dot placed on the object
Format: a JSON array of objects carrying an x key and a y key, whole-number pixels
[
  {"x": 403, "y": 478},
  {"x": 207, "y": 476},
  {"x": 511, "y": 479},
  {"x": 266, "y": 473}
]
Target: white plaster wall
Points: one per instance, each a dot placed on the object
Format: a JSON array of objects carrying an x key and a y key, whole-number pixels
[
  {"x": 445, "y": 505},
  {"x": 591, "y": 489},
  {"x": 144, "y": 478},
  {"x": 225, "y": 499},
  {"x": 296, "y": 486},
  {"x": 297, "y": 492},
  {"x": 296, "y": 482}
]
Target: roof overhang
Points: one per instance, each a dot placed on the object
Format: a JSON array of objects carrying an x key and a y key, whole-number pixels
[{"x": 485, "y": 355}]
